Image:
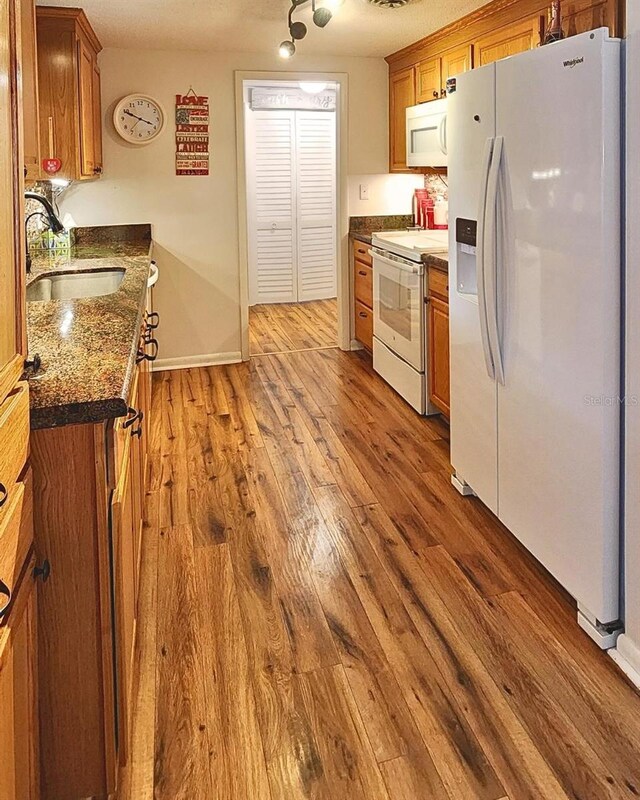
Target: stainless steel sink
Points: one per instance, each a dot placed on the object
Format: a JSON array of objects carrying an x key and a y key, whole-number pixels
[{"x": 75, "y": 285}]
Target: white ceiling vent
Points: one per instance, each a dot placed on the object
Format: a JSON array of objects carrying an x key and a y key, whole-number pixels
[{"x": 390, "y": 3}]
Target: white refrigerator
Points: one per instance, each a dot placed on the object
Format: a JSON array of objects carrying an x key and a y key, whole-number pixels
[{"x": 534, "y": 209}]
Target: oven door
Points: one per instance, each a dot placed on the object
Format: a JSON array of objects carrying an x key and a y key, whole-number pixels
[
  {"x": 427, "y": 135},
  {"x": 398, "y": 306}
]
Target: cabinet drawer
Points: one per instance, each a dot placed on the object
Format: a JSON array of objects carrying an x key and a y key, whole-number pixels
[
  {"x": 363, "y": 283},
  {"x": 364, "y": 325},
  {"x": 16, "y": 537},
  {"x": 439, "y": 283},
  {"x": 14, "y": 441},
  {"x": 361, "y": 252}
]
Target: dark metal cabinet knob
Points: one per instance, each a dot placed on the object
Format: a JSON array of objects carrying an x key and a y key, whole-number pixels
[
  {"x": 435, "y": 93},
  {"x": 44, "y": 571},
  {"x": 153, "y": 320},
  {"x": 97, "y": 170}
]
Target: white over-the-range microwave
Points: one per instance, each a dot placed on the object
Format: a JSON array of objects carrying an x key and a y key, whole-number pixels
[{"x": 427, "y": 134}]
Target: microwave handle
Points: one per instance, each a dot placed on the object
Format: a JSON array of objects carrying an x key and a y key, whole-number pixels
[{"x": 442, "y": 134}]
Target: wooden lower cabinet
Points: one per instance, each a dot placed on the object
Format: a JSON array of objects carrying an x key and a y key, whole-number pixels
[
  {"x": 438, "y": 340},
  {"x": 362, "y": 271},
  {"x": 90, "y": 483},
  {"x": 19, "y": 759}
]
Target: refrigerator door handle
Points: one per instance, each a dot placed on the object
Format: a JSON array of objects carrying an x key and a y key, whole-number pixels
[
  {"x": 480, "y": 259},
  {"x": 490, "y": 257}
]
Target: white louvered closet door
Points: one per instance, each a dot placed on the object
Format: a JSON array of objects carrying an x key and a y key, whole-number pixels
[
  {"x": 291, "y": 160},
  {"x": 271, "y": 207},
  {"x": 316, "y": 206}
]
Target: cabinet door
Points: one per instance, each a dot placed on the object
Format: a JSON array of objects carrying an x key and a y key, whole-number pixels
[
  {"x": 19, "y": 776},
  {"x": 402, "y": 94},
  {"x": 97, "y": 118},
  {"x": 87, "y": 118},
  {"x": 11, "y": 209},
  {"x": 455, "y": 62},
  {"x": 29, "y": 79},
  {"x": 124, "y": 567},
  {"x": 428, "y": 80},
  {"x": 438, "y": 332},
  {"x": 507, "y": 41}
]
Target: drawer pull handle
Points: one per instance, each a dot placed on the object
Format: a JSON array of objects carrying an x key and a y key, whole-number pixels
[
  {"x": 132, "y": 416},
  {"x": 362, "y": 314},
  {"x": 153, "y": 320},
  {"x": 6, "y": 591},
  {"x": 138, "y": 431},
  {"x": 44, "y": 571},
  {"x": 4, "y": 494},
  {"x": 142, "y": 353},
  {"x": 362, "y": 272}
]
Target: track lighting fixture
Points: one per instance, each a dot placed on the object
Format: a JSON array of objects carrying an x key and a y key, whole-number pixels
[{"x": 322, "y": 15}]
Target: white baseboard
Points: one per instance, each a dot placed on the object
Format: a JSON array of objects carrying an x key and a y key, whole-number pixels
[
  {"x": 205, "y": 360},
  {"x": 626, "y": 654}
]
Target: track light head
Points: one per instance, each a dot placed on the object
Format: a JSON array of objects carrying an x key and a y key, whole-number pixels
[
  {"x": 322, "y": 17},
  {"x": 298, "y": 30},
  {"x": 287, "y": 49}
]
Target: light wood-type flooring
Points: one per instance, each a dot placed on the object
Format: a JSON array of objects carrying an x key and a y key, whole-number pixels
[
  {"x": 323, "y": 616},
  {"x": 287, "y": 327}
]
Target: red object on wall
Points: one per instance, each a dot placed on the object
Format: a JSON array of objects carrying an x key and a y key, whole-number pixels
[{"x": 51, "y": 165}]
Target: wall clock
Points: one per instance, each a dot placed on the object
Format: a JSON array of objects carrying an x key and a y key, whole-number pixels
[{"x": 138, "y": 118}]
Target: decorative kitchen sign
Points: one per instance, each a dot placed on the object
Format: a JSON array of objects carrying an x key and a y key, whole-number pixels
[
  {"x": 192, "y": 134},
  {"x": 292, "y": 100}
]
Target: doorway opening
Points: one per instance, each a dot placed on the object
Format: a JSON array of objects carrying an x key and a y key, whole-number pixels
[{"x": 291, "y": 174}]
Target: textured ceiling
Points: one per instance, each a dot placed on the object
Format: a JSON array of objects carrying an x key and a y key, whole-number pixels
[{"x": 358, "y": 28}]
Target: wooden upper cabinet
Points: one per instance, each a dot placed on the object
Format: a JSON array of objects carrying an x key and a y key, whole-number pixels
[
  {"x": 454, "y": 62},
  {"x": 507, "y": 41},
  {"x": 69, "y": 89},
  {"x": 29, "y": 90},
  {"x": 87, "y": 113},
  {"x": 12, "y": 302},
  {"x": 402, "y": 95},
  {"x": 428, "y": 80}
]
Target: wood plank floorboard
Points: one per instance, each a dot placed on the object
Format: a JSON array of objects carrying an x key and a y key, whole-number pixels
[
  {"x": 291, "y": 327},
  {"x": 323, "y": 617}
]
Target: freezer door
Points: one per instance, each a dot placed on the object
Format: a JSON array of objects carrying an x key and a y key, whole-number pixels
[
  {"x": 471, "y": 124},
  {"x": 559, "y": 311}
]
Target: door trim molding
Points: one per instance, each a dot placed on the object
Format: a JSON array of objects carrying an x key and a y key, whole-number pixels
[{"x": 341, "y": 79}]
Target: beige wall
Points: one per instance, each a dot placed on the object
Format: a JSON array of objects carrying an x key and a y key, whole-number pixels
[{"x": 195, "y": 218}]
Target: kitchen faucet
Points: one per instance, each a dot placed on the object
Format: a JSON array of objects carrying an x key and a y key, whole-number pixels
[{"x": 52, "y": 218}]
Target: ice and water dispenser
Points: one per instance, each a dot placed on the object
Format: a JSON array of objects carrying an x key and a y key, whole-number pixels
[{"x": 466, "y": 234}]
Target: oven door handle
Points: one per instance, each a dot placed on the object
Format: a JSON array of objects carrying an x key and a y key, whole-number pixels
[{"x": 405, "y": 266}]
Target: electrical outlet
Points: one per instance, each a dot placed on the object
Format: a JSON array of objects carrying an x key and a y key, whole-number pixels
[{"x": 364, "y": 191}]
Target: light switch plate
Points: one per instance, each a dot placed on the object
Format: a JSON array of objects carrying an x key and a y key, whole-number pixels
[{"x": 364, "y": 191}]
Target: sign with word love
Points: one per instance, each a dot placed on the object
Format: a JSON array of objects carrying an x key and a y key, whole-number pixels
[{"x": 192, "y": 134}]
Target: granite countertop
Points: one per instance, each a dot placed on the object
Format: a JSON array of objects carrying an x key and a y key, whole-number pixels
[
  {"x": 441, "y": 261},
  {"x": 88, "y": 346},
  {"x": 362, "y": 236}
]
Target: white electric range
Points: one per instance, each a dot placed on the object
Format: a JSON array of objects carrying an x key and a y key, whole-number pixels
[{"x": 399, "y": 320}]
